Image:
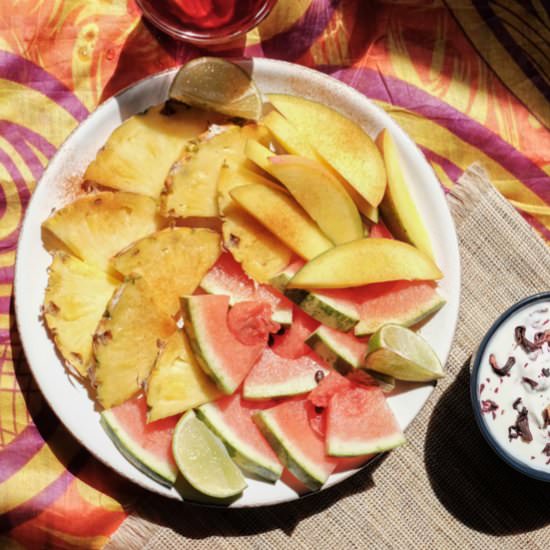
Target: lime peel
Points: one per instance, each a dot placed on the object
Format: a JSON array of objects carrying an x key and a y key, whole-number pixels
[
  {"x": 203, "y": 460},
  {"x": 218, "y": 85},
  {"x": 399, "y": 352}
]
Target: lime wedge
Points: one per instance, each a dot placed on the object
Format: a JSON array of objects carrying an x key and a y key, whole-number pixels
[
  {"x": 219, "y": 85},
  {"x": 399, "y": 352},
  {"x": 203, "y": 460}
]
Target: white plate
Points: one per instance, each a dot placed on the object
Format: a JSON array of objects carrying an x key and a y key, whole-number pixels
[{"x": 69, "y": 399}]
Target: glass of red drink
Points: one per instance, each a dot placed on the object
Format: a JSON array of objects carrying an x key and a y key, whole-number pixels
[{"x": 206, "y": 22}]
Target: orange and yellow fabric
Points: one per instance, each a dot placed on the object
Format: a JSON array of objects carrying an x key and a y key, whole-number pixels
[{"x": 469, "y": 80}]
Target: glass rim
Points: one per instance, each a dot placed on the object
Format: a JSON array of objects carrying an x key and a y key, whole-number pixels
[{"x": 207, "y": 36}]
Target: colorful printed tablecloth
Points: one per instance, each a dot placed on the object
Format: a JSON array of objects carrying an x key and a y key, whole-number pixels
[{"x": 469, "y": 80}]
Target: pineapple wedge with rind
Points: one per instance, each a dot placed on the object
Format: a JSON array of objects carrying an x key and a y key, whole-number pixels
[
  {"x": 191, "y": 186},
  {"x": 74, "y": 303},
  {"x": 96, "y": 226},
  {"x": 177, "y": 383},
  {"x": 261, "y": 254},
  {"x": 127, "y": 342},
  {"x": 173, "y": 261},
  {"x": 139, "y": 153}
]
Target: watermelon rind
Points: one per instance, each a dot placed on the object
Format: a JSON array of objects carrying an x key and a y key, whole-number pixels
[
  {"x": 331, "y": 312},
  {"x": 295, "y": 386},
  {"x": 341, "y": 447},
  {"x": 151, "y": 466},
  {"x": 338, "y": 356},
  {"x": 298, "y": 464},
  {"x": 282, "y": 314},
  {"x": 292, "y": 386},
  {"x": 385, "y": 382},
  {"x": 417, "y": 313},
  {"x": 243, "y": 454},
  {"x": 294, "y": 383},
  {"x": 204, "y": 354}
]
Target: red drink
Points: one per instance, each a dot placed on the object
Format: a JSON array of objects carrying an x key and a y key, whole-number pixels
[{"x": 206, "y": 21}]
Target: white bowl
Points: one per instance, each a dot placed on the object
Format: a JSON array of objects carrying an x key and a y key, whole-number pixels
[{"x": 68, "y": 398}]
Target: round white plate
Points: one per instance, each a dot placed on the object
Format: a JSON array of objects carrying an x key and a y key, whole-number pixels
[{"x": 69, "y": 399}]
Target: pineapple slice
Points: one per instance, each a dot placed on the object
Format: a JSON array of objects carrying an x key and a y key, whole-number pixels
[
  {"x": 173, "y": 261},
  {"x": 97, "y": 226},
  {"x": 140, "y": 152},
  {"x": 177, "y": 383},
  {"x": 260, "y": 253},
  {"x": 127, "y": 342},
  {"x": 191, "y": 185},
  {"x": 74, "y": 303}
]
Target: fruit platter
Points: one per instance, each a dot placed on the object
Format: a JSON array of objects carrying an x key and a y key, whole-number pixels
[{"x": 236, "y": 283}]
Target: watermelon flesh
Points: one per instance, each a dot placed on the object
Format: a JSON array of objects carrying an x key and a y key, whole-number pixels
[
  {"x": 147, "y": 446},
  {"x": 402, "y": 302},
  {"x": 330, "y": 385},
  {"x": 291, "y": 344},
  {"x": 230, "y": 418},
  {"x": 251, "y": 323},
  {"x": 301, "y": 450},
  {"x": 360, "y": 422},
  {"x": 380, "y": 231},
  {"x": 227, "y": 277},
  {"x": 276, "y": 376},
  {"x": 217, "y": 350}
]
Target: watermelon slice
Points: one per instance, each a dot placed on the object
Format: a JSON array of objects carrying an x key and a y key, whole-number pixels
[
  {"x": 291, "y": 344},
  {"x": 230, "y": 418},
  {"x": 226, "y": 277},
  {"x": 147, "y": 446},
  {"x": 276, "y": 376},
  {"x": 402, "y": 302},
  {"x": 344, "y": 352},
  {"x": 299, "y": 448},
  {"x": 251, "y": 323},
  {"x": 366, "y": 308},
  {"x": 360, "y": 422},
  {"x": 330, "y": 385},
  {"x": 334, "y": 308},
  {"x": 217, "y": 350}
]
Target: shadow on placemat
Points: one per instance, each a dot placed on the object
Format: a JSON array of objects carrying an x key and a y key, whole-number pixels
[
  {"x": 190, "y": 521},
  {"x": 470, "y": 480}
]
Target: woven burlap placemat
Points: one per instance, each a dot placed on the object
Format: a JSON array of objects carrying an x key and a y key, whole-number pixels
[{"x": 445, "y": 488}]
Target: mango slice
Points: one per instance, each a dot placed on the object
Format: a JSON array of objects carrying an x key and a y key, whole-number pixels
[
  {"x": 321, "y": 195},
  {"x": 366, "y": 261},
  {"x": 277, "y": 211},
  {"x": 398, "y": 208},
  {"x": 339, "y": 141}
]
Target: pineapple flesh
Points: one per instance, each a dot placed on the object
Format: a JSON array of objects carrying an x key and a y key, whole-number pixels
[
  {"x": 75, "y": 300},
  {"x": 97, "y": 226},
  {"x": 191, "y": 186},
  {"x": 260, "y": 253},
  {"x": 127, "y": 342},
  {"x": 140, "y": 152},
  {"x": 177, "y": 383},
  {"x": 172, "y": 261}
]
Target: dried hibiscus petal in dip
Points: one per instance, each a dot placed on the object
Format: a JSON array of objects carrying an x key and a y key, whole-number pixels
[
  {"x": 530, "y": 382},
  {"x": 489, "y": 406},
  {"x": 523, "y": 341},
  {"x": 504, "y": 370},
  {"x": 521, "y": 427}
]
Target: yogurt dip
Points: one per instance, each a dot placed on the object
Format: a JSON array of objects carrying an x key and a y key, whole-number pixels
[{"x": 513, "y": 385}]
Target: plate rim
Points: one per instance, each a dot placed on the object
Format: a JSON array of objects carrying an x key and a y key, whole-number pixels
[{"x": 246, "y": 62}]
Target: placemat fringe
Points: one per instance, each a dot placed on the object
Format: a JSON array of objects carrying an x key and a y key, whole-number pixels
[{"x": 471, "y": 187}]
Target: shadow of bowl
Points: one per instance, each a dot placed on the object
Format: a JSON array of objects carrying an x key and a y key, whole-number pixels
[{"x": 473, "y": 484}]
